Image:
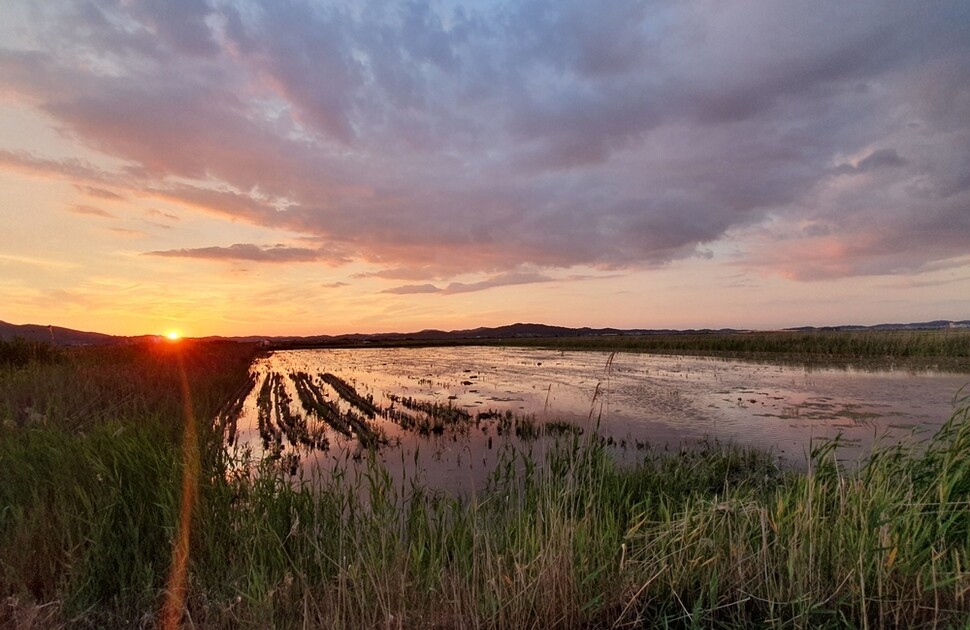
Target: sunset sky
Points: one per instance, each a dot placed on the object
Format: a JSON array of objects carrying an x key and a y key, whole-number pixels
[{"x": 287, "y": 167}]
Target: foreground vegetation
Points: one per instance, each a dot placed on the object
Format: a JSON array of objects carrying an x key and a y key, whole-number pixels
[{"x": 92, "y": 460}]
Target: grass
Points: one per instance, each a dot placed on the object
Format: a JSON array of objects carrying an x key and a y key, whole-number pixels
[
  {"x": 710, "y": 537},
  {"x": 19, "y": 352},
  {"x": 947, "y": 349},
  {"x": 879, "y": 344},
  {"x": 91, "y": 461}
]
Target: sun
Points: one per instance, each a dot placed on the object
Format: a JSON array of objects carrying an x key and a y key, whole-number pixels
[{"x": 173, "y": 335}]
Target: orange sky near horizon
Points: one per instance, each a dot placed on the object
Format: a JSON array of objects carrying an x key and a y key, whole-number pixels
[{"x": 230, "y": 168}]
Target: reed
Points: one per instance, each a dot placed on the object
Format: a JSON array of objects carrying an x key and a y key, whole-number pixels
[
  {"x": 89, "y": 449},
  {"x": 946, "y": 348},
  {"x": 715, "y": 536}
]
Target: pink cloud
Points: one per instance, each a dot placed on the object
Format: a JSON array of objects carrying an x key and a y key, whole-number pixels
[
  {"x": 250, "y": 252},
  {"x": 502, "y": 280}
]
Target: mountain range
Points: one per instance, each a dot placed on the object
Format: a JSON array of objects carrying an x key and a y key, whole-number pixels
[{"x": 70, "y": 337}]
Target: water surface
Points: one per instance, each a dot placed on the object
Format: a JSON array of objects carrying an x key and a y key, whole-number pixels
[{"x": 638, "y": 400}]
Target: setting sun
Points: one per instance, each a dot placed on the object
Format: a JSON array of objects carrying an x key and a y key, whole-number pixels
[{"x": 173, "y": 335}]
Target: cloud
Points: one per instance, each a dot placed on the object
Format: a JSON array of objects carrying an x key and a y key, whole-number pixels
[
  {"x": 498, "y": 281},
  {"x": 99, "y": 193},
  {"x": 152, "y": 212},
  {"x": 73, "y": 169},
  {"x": 179, "y": 23},
  {"x": 411, "y": 289},
  {"x": 163, "y": 226},
  {"x": 334, "y": 285},
  {"x": 883, "y": 158},
  {"x": 91, "y": 211},
  {"x": 864, "y": 243},
  {"x": 128, "y": 232},
  {"x": 919, "y": 283},
  {"x": 879, "y": 159},
  {"x": 433, "y": 142},
  {"x": 402, "y": 273},
  {"x": 502, "y": 280},
  {"x": 247, "y": 252},
  {"x": 35, "y": 261}
]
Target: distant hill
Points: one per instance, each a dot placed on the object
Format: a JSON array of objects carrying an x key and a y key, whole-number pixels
[
  {"x": 56, "y": 334},
  {"x": 543, "y": 331},
  {"x": 512, "y": 331},
  {"x": 938, "y": 324},
  {"x": 68, "y": 337}
]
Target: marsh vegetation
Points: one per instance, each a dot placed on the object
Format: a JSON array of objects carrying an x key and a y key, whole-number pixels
[
  {"x": 943, "y": 349},
  {"x": 561, "y": 535}
]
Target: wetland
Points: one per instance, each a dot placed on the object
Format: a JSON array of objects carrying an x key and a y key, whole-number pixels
[
  {"x": 482, "y": 487},
  {"x": 445, "y": 412}
]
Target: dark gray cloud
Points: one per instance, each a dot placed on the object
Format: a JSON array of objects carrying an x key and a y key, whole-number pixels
[
  {"x": 881, "y": 158},
  {"x": 435, "y": 140}
]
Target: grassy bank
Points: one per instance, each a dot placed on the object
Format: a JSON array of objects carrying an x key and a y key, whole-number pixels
[{"x": 714, "y": 537}]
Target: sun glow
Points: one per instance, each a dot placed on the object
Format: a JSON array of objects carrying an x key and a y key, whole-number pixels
[{"x": 173, "y": 335}]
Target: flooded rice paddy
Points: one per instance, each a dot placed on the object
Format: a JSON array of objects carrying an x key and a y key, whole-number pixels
[{"x": 444, "y": 415}]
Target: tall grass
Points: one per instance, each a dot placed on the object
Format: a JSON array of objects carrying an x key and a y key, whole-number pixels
[
  {"x": 716, "y": 536},
  {"x": 19, "y": 352},
  {"x": 952, "y": 346},
  {"x": 91, "y": 471}
]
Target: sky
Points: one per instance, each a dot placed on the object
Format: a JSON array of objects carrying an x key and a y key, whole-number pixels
[{"x": 302, "y": 167}]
